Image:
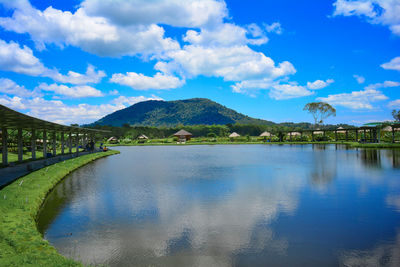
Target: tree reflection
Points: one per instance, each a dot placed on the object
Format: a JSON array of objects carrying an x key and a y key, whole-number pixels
[{"x": 371, "y": 158}]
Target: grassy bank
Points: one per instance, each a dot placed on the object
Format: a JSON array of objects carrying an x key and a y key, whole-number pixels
[
  {"x": 351, "y": 144},
  {"x": 20, "y": 242}
]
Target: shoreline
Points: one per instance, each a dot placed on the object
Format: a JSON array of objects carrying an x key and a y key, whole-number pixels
[
  {"x": 350, "y": 144},
  {"x": 21, "y": 243}
]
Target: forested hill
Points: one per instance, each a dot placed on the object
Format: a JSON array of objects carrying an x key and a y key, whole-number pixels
[{"x": 171, "y": 113}]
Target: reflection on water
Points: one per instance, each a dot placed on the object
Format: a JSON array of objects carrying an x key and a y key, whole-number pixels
[{"x": 247, "y": 205}]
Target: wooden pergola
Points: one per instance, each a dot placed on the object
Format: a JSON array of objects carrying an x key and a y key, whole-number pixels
[{"x": 11, "y": 120}]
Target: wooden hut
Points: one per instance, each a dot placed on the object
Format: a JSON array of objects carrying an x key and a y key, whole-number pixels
[
  {"x": 112, "y": 140},
  {"x": 341, "y": 130},
  {"x": 143, "y": 137},
  {"x": 183, "y": 135},
  {"x": 234, "y": 135},
  {"x": 266, "y": 134}
]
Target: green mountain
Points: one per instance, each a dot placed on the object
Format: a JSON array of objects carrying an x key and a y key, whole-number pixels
[{"x": 171, "y": 113}]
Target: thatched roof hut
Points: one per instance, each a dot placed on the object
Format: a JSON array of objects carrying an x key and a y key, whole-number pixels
[
  {"x": 234, "y": 135},
  {"x": 183, "y": 135},
  {"x": 340, "y": 130},
  {"x": 112, "y": 140},
  {"x": 390, "y": 128},
  {"x": 294, "y": 133},
  {"x": 318, "y": 131},
  {"x": 266, "y": 134},
  {"x": 143, "y": 137}
]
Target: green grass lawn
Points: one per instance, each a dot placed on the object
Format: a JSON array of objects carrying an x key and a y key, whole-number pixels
[{"x": 20, "y": 242}]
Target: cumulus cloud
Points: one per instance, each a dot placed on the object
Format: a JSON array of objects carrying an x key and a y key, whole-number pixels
[
  {"x": 226, "y": 34},
  {"x": 359, "y": 79},
  {"x": 319, "y": 84},
  {"x": 73, "y": 92},
  {"x": 355, "y": 100},
  {"x": 278, "y": 90},
  {"x": 178, "y": 13},
  {"x": 94, "y": 34},
  {"x": 275, "y": 27},
  {"x": 91, "y": 76},
  {"x": 385, "y": 84},
  {"x": 214, "y": 48},
  {"x": 123, "y": 101},
  {"x": 394, "y": 64},
  {"x": 383, "y": 12},
  {"x": 287, "y": 91},
  {"x": 59, "y": 112},
  {"x": 139, "y": 81},
  {"x": 9, "y": 87},
  {"x": 394, "y": 103},
  {"x": 21, "y": 60},
  {"x": 231, "y": 63}
]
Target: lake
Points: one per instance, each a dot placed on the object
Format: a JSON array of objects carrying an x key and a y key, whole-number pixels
[{"x": 230, "y": 205}]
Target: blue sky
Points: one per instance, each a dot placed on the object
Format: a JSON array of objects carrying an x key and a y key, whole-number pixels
[{"x": 76, "y": 61}]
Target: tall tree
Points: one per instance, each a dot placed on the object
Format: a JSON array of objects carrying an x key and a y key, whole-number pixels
[
  {"x": 320, "y": 111},
  {"x": 396, "y": 114}
]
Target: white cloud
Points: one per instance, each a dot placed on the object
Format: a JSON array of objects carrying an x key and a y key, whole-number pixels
[
  {"x": 394, "y": 64},
  {"x": 359, "y": 79},
  {"x": 123, "y": 101},
  {"x": 74, "y": 91},
  {"x": 139, "y": 81},
  {"x": 274, "y": 27},
  {"x": 288, "y": 91},
  {"x": 356, "y": 99},
  {"x": 91, "y": 76},
  {"x": 354, "y": 8},
  {"x": 226, "y": 34},
  {"x": 384, "y": 12},
  {"x": 234, "y": 63},
  {"x": 9, "y": 87},
  {"x": 319, "y": 84},
  {"x": 93, "y": 34},
  {"x": 394, "y": 103},
  {"x": 385, "y": 84},
  {"x": 178, "y": 13},
  {"x": 59, "y": 112},
  {"x": 277, "y": 90},
  {"x": 14, "y": 102},
  {"x": 21, "y": 60}
]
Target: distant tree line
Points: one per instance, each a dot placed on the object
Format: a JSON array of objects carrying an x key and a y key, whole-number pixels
[{"x": 133, "y": 132}]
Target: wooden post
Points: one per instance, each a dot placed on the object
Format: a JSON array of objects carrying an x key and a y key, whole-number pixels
[
  {"x": 70, "y": 142},
  {"x": 33, "y": 144},
  {"x": 356, "y": 135},
  {"x": 20, "y": 145},
  {"x": 301, "y": 136},
  {"x": 312, "y": 136},
  {"x": 365, "y": 135},
  {"x": 44, "y": 144},
  {"x": 347, "y": 135},
  {"x": 336, "y": 136},
  {"x": 54, "y": 144},
  {"x": 77, "y": 143},
  {"x": 393, "y": 135},
  {"x": 290, "y": 136},
  {"x": 62, "y": 143},
  {"x": 4, "y": 138}
]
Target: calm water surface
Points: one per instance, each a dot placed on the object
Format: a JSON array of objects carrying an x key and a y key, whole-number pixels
[{"x": 230, "y": 205}]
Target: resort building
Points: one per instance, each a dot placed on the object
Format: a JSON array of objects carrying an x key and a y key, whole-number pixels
[
  {"x": 234, "y": 135},
  {"x": 183, "y": 135}
]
